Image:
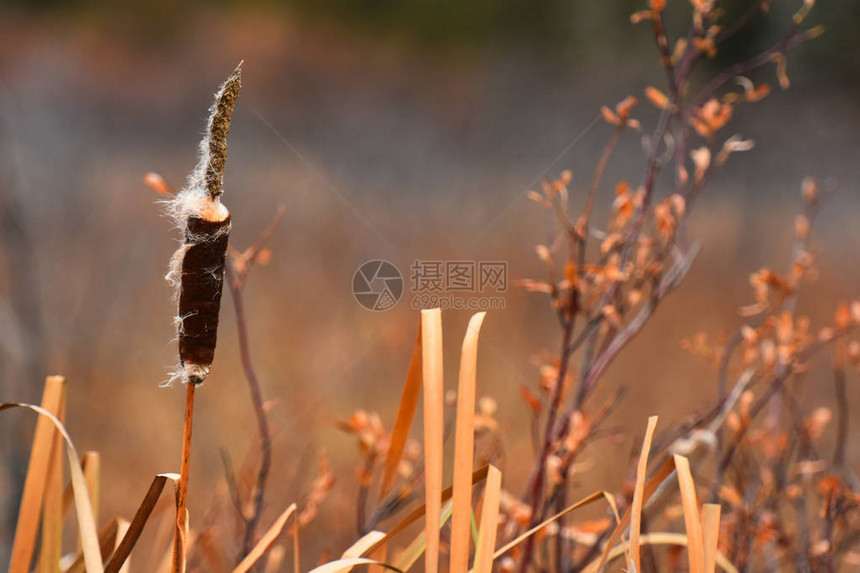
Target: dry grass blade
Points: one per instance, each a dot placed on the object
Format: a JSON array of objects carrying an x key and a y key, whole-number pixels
[
  {"x": 51, "y": 549},
  {"x": 650, "y": 487},
  {"x": 342, "y": 565},
  {"x": 265, "y": 542},
  {"x": 210, "y": 551},
  {"x": 678, "y": 539},
  {"x": 416, "y": 514},
  {"x": 296, "y": 557},
  {"x": 379, "y": 553},
  {"x": 405, "y": 414},
  {"x": 478, "y": 476},
  {"x": 695, "y": 547},
  {"x": 634, "y": 558},
  {"x": 431, "y": 356},
  {"x": 363, "y": 545},
  {"x": 418, "y": 546},
  {"x": 37, "y": 474},
  {"x": 109, "y": 540},
  {"x": 83, "y": 508},
  {"x": 489, "y": 523},
  {"x": 581, "y": 503},
  {"x": 143, "y": 513},
  {"x": 710, "y": 534},
  {"x": 276, "y": 559},
  {"x": 121, "y": 531},
  {"x": 87, "y": 461},
  {"x": 91, "y": 465},
  {"x": 464, "y": 447}
]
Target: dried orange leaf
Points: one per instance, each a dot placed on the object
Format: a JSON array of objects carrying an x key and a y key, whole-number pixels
[{"x": 405, "y": 414}]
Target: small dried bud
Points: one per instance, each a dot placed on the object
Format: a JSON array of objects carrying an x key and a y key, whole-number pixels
[
  {"x": 809, "y": 190},
  {"x": 487, "y": 406},
  {"x": 657, "y": 98},
  {"x": 640, "y": 16},
  {"x": 450, "y": 398},
  {"x": 816, "y": 422},
  {"x": 680, "y": 47},
  {"x": 263, "y": 256},
  {"x": 801, "y": 227},
  {"x": 609, "y": 117},
  {"x": 611, "y": 241},
  {"x": 854, "y": 353},
  {"x": 781, "y": 71},
  {"x": 843, "y": 318},
  {"x": 705, "y": 46},
  {"x": 679, "y": 204},
  {"x": 625, "y": 106},
  {"x": 157, "y": 183},
  {"x": 793, "y": 491},
  {"x": 543, "y": 253},
  {"x": 733, "y": 144},
  {"x": 702, "y": 160}
]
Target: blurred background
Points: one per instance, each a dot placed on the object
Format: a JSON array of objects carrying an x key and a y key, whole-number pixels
[{"x": 389, "y": 130}]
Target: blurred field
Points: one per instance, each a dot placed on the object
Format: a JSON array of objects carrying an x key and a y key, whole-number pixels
[{"x": 380, "y": 146}]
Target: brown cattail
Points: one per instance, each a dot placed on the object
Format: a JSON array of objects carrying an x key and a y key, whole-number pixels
[{"x": 197, "y": 267}]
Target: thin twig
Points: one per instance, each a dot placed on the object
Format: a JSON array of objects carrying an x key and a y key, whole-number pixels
[
  {"x": 262, "y": 424},
  {"x": 774, "y": 386},
  {"x": 232, "y": 487},
  {"x": 790, "y": 41},
  {"x": 237, "y": 273},
  {"x": 842, "y": 413},
  {"x": 568, "y": 317}
]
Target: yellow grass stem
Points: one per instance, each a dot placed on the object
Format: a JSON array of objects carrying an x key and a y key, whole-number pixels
[
  {"x": 489, "y": 523},
  {"x": 431, "y": 354},
  {"x": 37, "y": 477},
  {"x": 464, "y": 445},
  {"x": 91, "y": 466},
  {"x": 365, "y": 543},
  {"x": 638, "y": 496},
  {"x": 692, "y": 522},
  {"x": 679, "y": 539},
  {"x": 711, "y": 534},
  {"x": 266, "y": 541},
  {"x": 83, "y": 508},
  {"x": 52, "y": 507}
]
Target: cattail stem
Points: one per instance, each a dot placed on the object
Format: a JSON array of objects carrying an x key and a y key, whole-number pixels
[{"x": 182, "y": 489}]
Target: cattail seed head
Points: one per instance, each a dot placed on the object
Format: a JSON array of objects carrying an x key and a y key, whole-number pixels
[{"x": 197, "y": 267}]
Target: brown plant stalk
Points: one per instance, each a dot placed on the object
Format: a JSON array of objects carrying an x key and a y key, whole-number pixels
[{"x": 237, "y": 274}]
